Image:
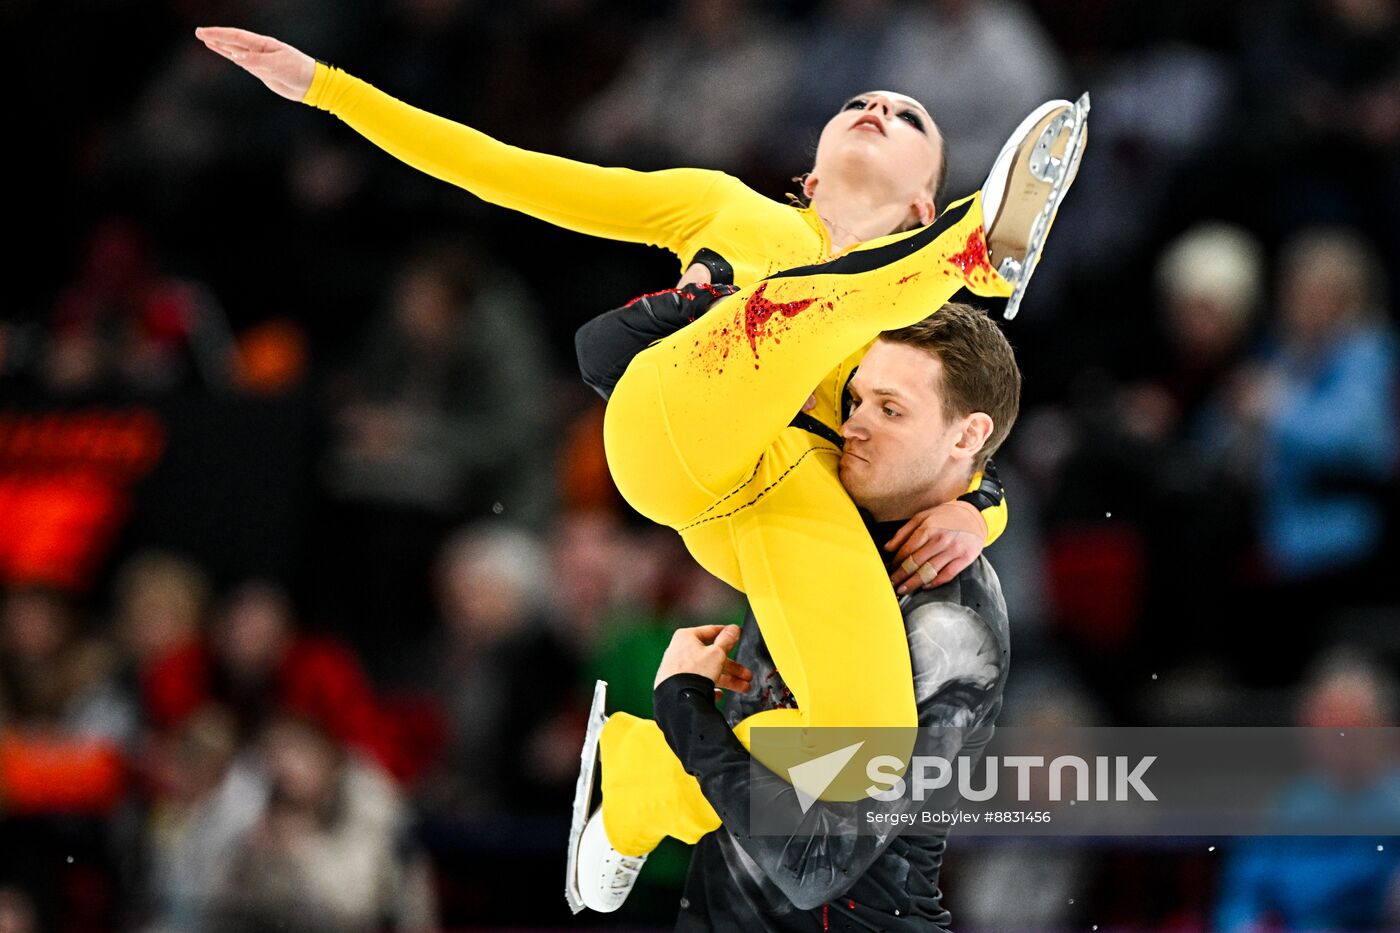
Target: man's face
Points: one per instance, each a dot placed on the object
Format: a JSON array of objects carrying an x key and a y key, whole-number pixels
[{"x": 901, "y": 452}]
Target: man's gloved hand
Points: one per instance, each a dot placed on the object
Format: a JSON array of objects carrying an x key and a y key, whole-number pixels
[
  {"x": 606, "y": 344},
  {"x": 672, "y": 309}
]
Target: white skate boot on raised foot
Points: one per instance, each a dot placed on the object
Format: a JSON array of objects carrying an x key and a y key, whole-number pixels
[
  {"x": 597, "y": 876},
  {"x": 604, "y": 877},
  {"x": 1028, "y": 181}
]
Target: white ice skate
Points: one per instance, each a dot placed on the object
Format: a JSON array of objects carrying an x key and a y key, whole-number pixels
[
  {"x": 1028, "y": 181},
  {"x": 604, "y": 876},
  {"x": 597, "y": 876}
]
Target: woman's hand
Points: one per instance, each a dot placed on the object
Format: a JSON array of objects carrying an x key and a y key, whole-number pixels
[
  {"x": 936, "y": 545},
  {"x": 287, "y": 71}
]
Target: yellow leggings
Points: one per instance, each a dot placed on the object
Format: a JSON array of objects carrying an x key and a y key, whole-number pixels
[{"x": 697, "y": 438}]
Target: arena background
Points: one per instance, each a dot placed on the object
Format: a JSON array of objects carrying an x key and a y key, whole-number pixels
[{"x": 308, "y": 546}]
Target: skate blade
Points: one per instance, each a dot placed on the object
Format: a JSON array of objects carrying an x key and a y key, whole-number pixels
[
  {"x": 1042, "y": 183},
  {"x": 583, "y": 793}
]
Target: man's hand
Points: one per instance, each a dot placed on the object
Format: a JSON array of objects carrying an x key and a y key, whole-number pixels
[
  {"x": 936, "y": 545},
  {"x": 704, "y": 650},
  {"x": 287, "y": 71}
]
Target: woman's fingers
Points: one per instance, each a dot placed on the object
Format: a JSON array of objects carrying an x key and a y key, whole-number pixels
[
  {"x": 922, "y": 538},
  {"x": 952, "y": 569},
  {"x": 914, "y": 552},
  {"x": 223, "y": 38},
  {"x": 236, "y": 38},
  {"x": 902, "y": 534},
  {"x": 947, "y": 555},
  {"x": 286, "y": 71},
  {"x": 239, "y": 58},
  {"x": 929, "y": 551}
]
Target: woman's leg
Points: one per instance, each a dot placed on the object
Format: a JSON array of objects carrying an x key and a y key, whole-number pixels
[
  {"x": 694, "y": 411},
  {"x": 831, "y": 622},
  {"x": 647, "y": 795}
]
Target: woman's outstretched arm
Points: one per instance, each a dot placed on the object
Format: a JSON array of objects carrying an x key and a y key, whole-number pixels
[{"x": 665, "y": 208}]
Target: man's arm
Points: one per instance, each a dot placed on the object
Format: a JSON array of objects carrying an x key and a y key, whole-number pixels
[
  {"x": 827, "y": 854},
  {"x": 606, "y": 344}
]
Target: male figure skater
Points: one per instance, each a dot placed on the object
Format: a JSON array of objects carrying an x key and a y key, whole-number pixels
[{"x": 928, "y": 405}]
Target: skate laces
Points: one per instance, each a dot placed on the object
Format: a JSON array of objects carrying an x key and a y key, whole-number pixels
[{"x": 625, "y": 870}]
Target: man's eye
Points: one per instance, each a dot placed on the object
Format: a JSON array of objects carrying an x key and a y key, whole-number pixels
[
  {"x": 856, "y": 104},
  {"x": 890, "y": 412},
  {"x": 912, "y": 119}
]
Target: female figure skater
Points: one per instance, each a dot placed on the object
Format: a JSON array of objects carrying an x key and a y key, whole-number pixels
[{"x": 698, "y": 429}]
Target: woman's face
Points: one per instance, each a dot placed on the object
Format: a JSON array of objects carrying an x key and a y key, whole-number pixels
[{"x": 883, "y": 140}]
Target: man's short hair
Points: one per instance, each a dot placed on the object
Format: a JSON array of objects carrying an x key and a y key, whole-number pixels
[{"x": 979, "y": 367}]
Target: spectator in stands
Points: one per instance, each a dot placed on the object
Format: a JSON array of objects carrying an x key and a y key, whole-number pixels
[
  {"x": 449, "y": 401},
  {"x": 54, "y": 678},
  {"x": 662, "y": 590},
  {"x": 586, "y": 551},
  {"x": 978, "y": 66},
  {"x": 63, "y": 718},
  {"x": 1197, "y": 469},
  {"x": 256, "y": 664},
  {"x": 444, "y": 416},
  {"x": 204, "y": 799},
  {"x": 260, "y": 665},
  {"x": 724, "y": 63},
  {"x": 508, "y": 682},
  {"x": 330, "y": 851},
  {"x": 1210, "y": 285},
  {"x": 160, "y": 603},
  {"x": 122, "y": 326},
  {"x": 1323, "y": 396},
  {"x": 1319, "y": 882},
  {"x": 1325, "y": 80}
]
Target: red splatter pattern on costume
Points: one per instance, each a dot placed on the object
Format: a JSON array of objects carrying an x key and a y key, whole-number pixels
[
  {"x": 759, "y": 311},
  {"x": 972, "y": 261}
]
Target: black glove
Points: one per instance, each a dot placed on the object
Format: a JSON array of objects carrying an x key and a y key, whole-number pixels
[{"x": 608, "y": 343}]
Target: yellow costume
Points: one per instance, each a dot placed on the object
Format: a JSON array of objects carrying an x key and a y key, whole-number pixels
[{"x": 697, "y": 430}]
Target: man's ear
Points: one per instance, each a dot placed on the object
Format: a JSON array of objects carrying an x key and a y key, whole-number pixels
[
  {"x": 809, "y": 185},
  {"x": 977, "y": 429}
]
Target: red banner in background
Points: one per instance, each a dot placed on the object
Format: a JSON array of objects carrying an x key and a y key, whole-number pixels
[{"x": 65, "y": 488}]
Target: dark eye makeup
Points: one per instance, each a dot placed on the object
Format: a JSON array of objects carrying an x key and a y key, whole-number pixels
[{"x": 908, "y": 116}]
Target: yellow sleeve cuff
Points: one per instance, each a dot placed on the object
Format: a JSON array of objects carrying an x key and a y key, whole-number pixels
[
  {"x": 996, "y": 517},
  {"x": 317, "y": 92}
]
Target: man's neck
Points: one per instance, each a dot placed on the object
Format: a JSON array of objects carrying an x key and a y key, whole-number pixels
[{"x": 944, "y": 490}]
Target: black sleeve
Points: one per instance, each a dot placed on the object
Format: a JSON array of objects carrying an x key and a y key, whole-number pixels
[
  {"x": 989, "y": 493},
  {"x": 606, "y": 344},
  {"x": 827, "y": 854}
]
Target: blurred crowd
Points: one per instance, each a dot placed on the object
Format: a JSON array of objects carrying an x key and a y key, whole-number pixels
[{"x": 381, "y": 732}]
